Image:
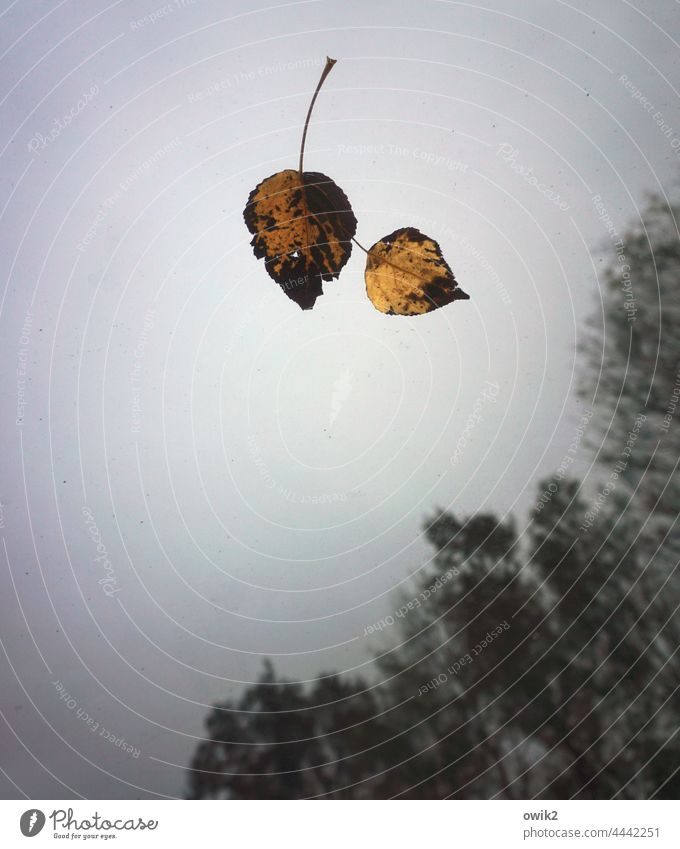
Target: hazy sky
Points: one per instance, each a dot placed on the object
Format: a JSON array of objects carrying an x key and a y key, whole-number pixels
[{"x": 196, "y": 473}]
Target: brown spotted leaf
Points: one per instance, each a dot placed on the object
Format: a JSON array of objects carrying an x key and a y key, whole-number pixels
[
  {"x": 302, "y": 225},
  {"x": 406, "y": 274}
]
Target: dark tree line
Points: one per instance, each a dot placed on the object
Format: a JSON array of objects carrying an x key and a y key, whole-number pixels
[{"x": 543, "y": 665}]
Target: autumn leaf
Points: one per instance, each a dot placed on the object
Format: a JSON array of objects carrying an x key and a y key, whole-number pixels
[
  {"x": 303, "y": 225},
  {"x": 406, "y": 274}
]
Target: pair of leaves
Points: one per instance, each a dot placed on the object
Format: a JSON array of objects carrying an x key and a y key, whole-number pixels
[{"x": 303, "y": 228}]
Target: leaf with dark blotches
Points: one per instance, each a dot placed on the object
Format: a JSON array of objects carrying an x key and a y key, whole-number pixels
[
  {"x": 302, "y": 225},
  {"x": 406, "y": 274}
]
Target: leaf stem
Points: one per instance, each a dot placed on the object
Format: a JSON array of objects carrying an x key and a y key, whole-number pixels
[
  {"x": 326, "y": 71},
  {"x": 359, "y": 245}
]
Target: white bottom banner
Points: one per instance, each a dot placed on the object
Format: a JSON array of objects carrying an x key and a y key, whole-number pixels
[{"x": 342, "y": 824}]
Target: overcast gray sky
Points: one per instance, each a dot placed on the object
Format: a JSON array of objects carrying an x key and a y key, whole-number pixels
[{"x": 196, "y": 473}]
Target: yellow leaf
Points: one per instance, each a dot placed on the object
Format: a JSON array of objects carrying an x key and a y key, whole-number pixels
[
  {"x": 303, "y": 225},
  {"x": 406, "y": 274}
]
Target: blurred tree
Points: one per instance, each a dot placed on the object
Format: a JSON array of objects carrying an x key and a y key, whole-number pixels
[
  {"x": 468, "y": 625},
  {"x": 592, "y": 648},
  {"x": 260, "y": 748},
  {"x": 632, "y": 380},
  {"x": 609, "y": 555},
  {"x": 285, "y": 741}
]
